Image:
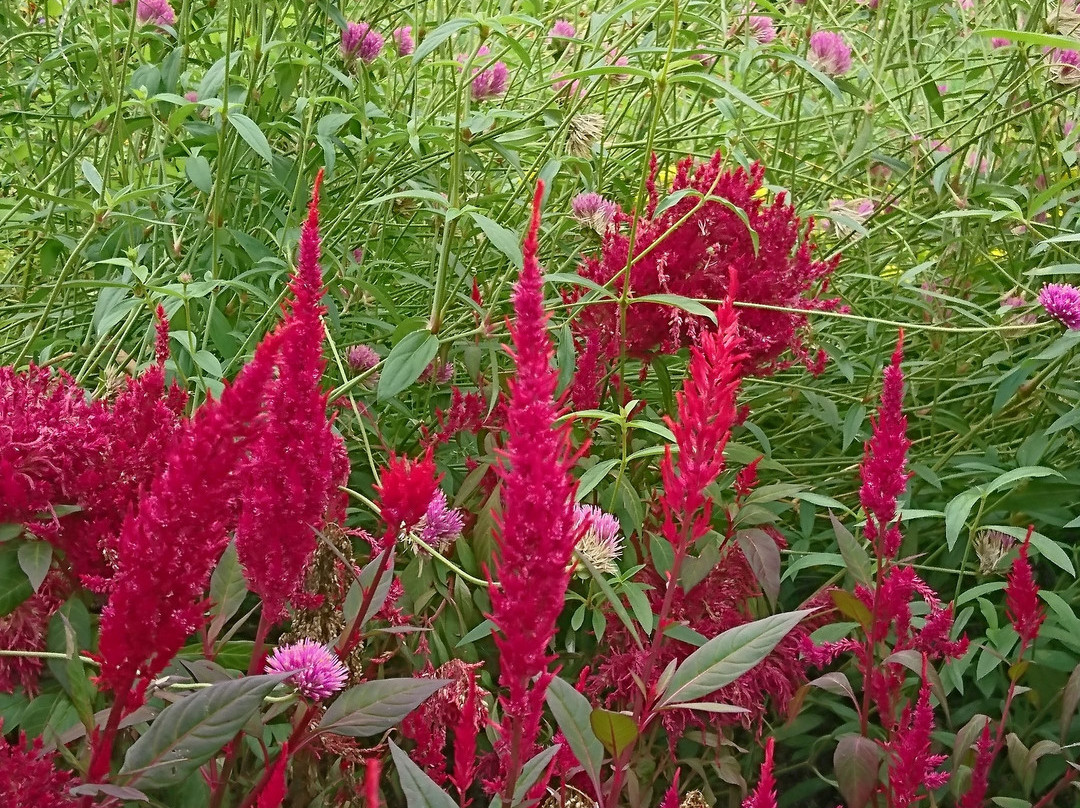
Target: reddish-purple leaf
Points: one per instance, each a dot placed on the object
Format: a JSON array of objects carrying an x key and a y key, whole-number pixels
[{"x": 856, "y": 763}]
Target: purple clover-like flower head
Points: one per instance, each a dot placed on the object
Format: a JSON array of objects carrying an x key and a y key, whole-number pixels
[
  {"x": 1062, "y": 302},
  {"x": 594, "y": 210},
  {"x": 155, "y": 12},
  {"x": 562, "y": 29},
  {"x": 360, "y": 41},
  {"x": 599, "y": 538},
  {"x": 489, "y": 83},
  {"x": 441, "y": 524},
  {"x": 761, "y": 28},
  {"x": 1065, "y": 66},
  {"x": 829, "y": 53},
  {"x": 319, "y": 673},
  {"x": 403, "y": 40},
  {"x": 362, "y": 357}
]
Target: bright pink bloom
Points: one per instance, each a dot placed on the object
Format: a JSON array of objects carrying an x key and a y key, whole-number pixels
[
  {"x": 441, "y": 524},
  {"x": 360, "y": 41},
  {"x": 562, "y": 29},
  {"x": 403, "y": 41},
  {"x": 25, "y": 629},
  {"x": 1000, "y": 42},
  {"x": 29, "y": 777},
  {"x": 536, "y": 538},
  {"x": 691, "y": 249},
  {"x": 1062, "y": 302},
  {"x": 1022, "y": 604},
  {"x": 761, "y": 28},
  {"x": 489, "y": 83},
  {"x": 764, "y": 796},
  {"x": 884, "y": 467},
  {"x": 912, "y": 767},
  {"x": 362, "y": 358},
  {"x": 829, "y": 53},
  {"x": 406, "y": 488},
  {"x": 594, "y": 210},
  {"x": 671, "y": 796},
  {"x": 170, "y": 544},
  {"x": 613, "y": 58},
  {"x": 155, "y": 12},
  {"x": 319, "y": 673},
  {"x": 274, "y": 792},
  {"x": 292, "y": 473}
]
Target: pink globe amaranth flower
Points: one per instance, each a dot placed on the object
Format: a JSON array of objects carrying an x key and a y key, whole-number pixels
[
  {"x": 761, "y": 28},
  {"x": 318, "y": 675},
  {"x": 599, "y": 537},
  {"x": 562, "y": 29},
  {"x": 829, "y": 53},
  {"x": 155, "y": 12},
  {"x": 535, "y": 541},
  {"x": 1064, "y": 66},
  {"x": 1067, "y": 127},
  {"x": 403, "y": 40},
  {"x": 297, "y": 461},
  {"x": 360, "y": 41},
  {"x": 980, "y": 164},
  {"x": 191, "y": 96},
  {"x": 1062, "y": 302},
  {"x": 595, "y": 211},
  {"x": 441, "y": 525},
  {"x": 361, "y": 358},
  {"x": 999, "y": 42},
  {"x": 615, "y": 60},
  {"x": 491, "y": 82},
  {"x": 573, "y": 88}
]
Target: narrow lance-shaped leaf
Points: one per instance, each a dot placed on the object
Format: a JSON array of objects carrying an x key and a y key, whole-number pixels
[
  {"x": 571, "y": 711},
  {"x": 726, "y": 657},
  {"x": 371, "y": 708},
  {"x": 420, "y": 790}
]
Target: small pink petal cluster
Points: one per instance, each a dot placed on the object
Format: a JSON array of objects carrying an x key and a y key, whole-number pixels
[
  {"x": 985, "y": 750},
  {"x": 599, "y": 537},
  {"x": 361, "y": 358},
  {"x": 441, "y": 525},
  {"x": 829, "y": 53},
  {"x": 1000, "y": 42},
  {"x": 488, "y": 83},
  {"x": 318, "y": 675},
  {"x": 595, "y": 211},
  {"x": 26, "y": 628},
  {"x": 615, "y": 60},
  {"x": 1064, "y": 66},
  {"x": 764, "y": 796},
  {"x": 1022, "y": 604},
  {"x": 297, "y": 462},
  {"x": 562, "y": 29},
  {"x": 690, "y": 249},
  {"x": 360, "y": 41},
  {"x": 155, "y": 12},
  {"x": 29, "y": 777},
  {"x": 884, "y": 467},
  {"x": 403, "y": 41},
  {"x": 761, "y": 28},
  {"x": 535, "y": 541},
  {"x": 1062, "y": 302}
]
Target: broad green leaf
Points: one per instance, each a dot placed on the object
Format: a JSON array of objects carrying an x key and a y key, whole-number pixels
[
  {"x": 571, "y": 711},
  {"x": 616, "y": 731},
  {"x": 1015, "y": 475},
  {"x": 956, "y": 514},
  {"x": 35, "y": 558},
  {"x": 856, "y": 762},
  {"x": 14, "y": 585},
  {"x": 531, "y": 772},
  {"x": 502, "y": 239},
  {"x": 371, "y": 708},
  {"x": 435, "y": 38},
  {"x": 420, "y": 790},
  {"x": 687, "y": 304},
  {"x": 855, "y": 556},
  {"x": 708, "y": 707},
  {"x": 593, "y": 477},
  {"x": 719, "y": 84},
  {"x": 228, "y": 588},
  {"x": 197, "y": 169},
  {"x": 726, "y": 657},
  {"x": 189, "y": 732},
  {"x": 406, "y": 362},
  {"x": 93, "y": 176},
  {"x": 252, "y": 135}
]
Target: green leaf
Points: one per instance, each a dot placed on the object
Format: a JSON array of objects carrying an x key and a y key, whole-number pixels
[
  {"x": 14, "y": 585},
  {"x": 856, "y": 762},
  {"x": 228, "y": 588},
  {"x": 531, "y": 772},
  {"x": 9, "y": 531},
  {"x": 252, "y": 135},
  {"x": 93, "y": 176},
  {"x": 1046, "y": 547},
  {"x": 478, "y": 633},
  {"x": 687, "y": 304},
  {"x": 35, "y": 558},
  {"x": 726, "y": 657},
  {"x": 502, "y": 239},
  {"x": 616, "y": 731},
  {"x": 956, "y": 514},
  {"x": 189, "y": 732},
  {"x": 432, "y": 40},
  {"x": 406, "y": 362},
  {"x": 763, "y": 556},
  {"x": 1022, "y": 473},
  {"x": 855, "y": 557},
  {"x": 718, "y": 83},
  {"x": 420, "y": 790},
  {"x": 570, "y": 709},
  {"x": 197, "y": 169},
  {"x": 371, "y": 708},
  {"x": 593, "y": 477}
]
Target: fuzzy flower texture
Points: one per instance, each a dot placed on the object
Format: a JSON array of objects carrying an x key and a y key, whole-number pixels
[
  {"x": 829, "y": 53},
  {"x": 318, "y": 674},
  {"x": 360, "y": 41},
  {"x": 1062, "y": 302},
  {"x": 155, "y": 12},
  {"x": 698, "y": 249}
]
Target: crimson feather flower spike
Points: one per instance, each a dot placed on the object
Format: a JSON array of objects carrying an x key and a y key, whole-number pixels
[
  {"x": 296, "y": 462},
  {"x": 535, "y": 540},
  {"x": 1022, "y": 604}
]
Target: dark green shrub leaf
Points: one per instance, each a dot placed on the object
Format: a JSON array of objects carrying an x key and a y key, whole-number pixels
[
  {"x": 420, "y": 790},
  {"x": 14, "y": 585},
  {"x": 406, "y": 362},
  {"x": 371, "y": 708},
  {"x": 570, "y": 709}
]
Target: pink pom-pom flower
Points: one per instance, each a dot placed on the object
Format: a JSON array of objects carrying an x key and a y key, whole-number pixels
[{"x": 318, "y": 673}]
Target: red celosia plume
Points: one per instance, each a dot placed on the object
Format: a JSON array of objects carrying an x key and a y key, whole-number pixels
[
  {"x": 405, "y": 489},
  {"x": 1022, "y": 604},
  {"x": 291, "y": 472},
  {"x": 536, "y": 537},
  {"x": 29, "y": 777},
  {"x": 764, "y": 796},
  {"x": 912, "y": 767}
]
